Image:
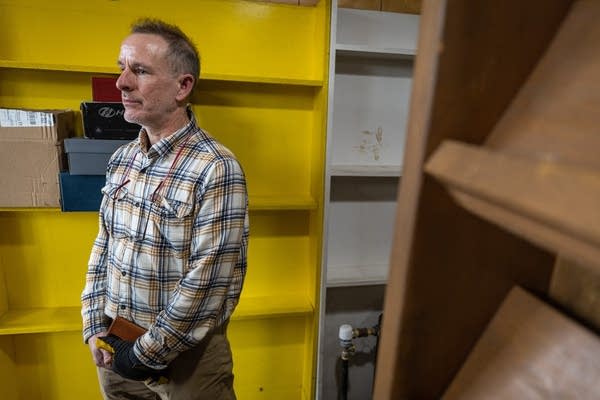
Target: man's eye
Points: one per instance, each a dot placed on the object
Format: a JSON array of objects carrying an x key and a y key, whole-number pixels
[{"x": 140, "y": 71}]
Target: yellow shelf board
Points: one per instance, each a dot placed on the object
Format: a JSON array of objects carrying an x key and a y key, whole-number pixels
[
  {"x": 257, "y": 203},
  {"x": 272, "y": 306},
  {"x": 40, "y": 320},
  {"x": 97, "y": 69},
  {"x": 65, "y": 319},
  {"x": 29, "y": 209},
  {"x": 58, "y": 67},
  {"x": 263, "y": 79},
  {"x": 282, "y": 203}
]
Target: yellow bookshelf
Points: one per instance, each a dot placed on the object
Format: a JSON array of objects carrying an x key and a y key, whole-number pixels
[{"x": 263, "y": 93}]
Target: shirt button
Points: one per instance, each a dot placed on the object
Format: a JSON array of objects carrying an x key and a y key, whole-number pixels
[
  {"x": 124, "y": 273},
  {"x": 123, "y": 306}
]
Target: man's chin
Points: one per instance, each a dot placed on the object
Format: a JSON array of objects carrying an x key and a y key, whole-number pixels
[{"x": 131, "y": 118}]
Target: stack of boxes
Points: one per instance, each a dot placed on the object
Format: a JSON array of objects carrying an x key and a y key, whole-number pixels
[
  {"x": 105, "y": 131},
  {"x": 43, "y": 164}
]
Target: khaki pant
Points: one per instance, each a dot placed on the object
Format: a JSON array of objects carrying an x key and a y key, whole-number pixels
[{"x": 201, "y": 373}]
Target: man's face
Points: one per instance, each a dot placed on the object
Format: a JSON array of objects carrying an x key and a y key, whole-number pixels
[{"x": 149, "y": 87}]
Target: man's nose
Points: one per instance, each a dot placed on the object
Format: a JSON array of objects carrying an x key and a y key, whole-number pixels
[{"x": 124, "y": 82}]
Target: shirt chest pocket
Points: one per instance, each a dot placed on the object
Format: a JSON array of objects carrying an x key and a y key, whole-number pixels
[
  {"x": 172, "y": 222},
  {"x": 117, "y": 213}
]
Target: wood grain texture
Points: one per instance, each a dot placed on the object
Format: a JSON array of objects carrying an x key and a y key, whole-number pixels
[
  {"x": 402, "y": 6},
  {"x": 360, "y": 4},
  {"x": 552, "y": 204},
  {"x": 556, "y": 114},
  {"x": 577, "y": 289},
  {"x": 450, "y": 269},
  {"x": 530, "y": 351}
]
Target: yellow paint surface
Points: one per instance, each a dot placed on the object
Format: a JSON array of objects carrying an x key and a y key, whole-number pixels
[{"x": 262, "y": 94}]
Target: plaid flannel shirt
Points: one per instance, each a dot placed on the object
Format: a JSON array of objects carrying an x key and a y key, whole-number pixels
[{"x": 170, "y": 254}]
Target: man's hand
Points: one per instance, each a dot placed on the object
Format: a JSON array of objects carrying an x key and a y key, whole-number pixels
[
  {"x": 102, "y": 358},
  {"x": 124, "y": 360}
]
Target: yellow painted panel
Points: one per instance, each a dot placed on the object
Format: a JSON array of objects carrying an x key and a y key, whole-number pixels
[
  {"x": 268, "y": 358},
  {"x": 260, "y": 123},
  {"x": 268, "y": 361},
  {"x": 271, "y": 260},
  {"x": 44, "y": 256},
  {"x": 275, "y": 125},
  {"x": 262, "y": 138},
  {"x": 35, "y": 89},
  {"x": 8, "y": 372},
  {"x": 68, "y": 319},
  {"x": 278, "y": 260},
  {"x": 262, "y": 39},
  {"x": 54, "y": 366}
]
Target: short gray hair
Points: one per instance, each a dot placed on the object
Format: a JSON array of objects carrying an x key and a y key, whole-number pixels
[{"x": 183, "y": 55}]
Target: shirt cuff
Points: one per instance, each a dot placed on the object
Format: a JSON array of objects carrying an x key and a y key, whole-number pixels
[{"x": 94, "y": 323}]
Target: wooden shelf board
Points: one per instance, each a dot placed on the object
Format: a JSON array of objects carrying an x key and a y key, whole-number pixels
[
  {"x": 552, "y": 204},
  {"x": 365, "y": 170},
  {"x": 356, "y": 275},
  {"x": 63, "y": 319},
  {"x": 97, "y": 69},
  {"x": 375, "y": 52},
  {"x": 530, "y": 350}
]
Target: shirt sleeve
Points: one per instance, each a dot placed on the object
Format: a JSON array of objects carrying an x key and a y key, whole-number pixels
[
  {"x": 202, "y": 299},
  {"x": 93, "y": 296}
]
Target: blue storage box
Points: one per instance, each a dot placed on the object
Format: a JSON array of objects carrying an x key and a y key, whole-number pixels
[{"x": 80, "y": 192}]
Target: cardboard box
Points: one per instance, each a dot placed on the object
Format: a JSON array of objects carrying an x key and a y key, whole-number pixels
[
  {"x": 31, "y": 156},
  {"x": 81, "y": 192},
  {"x": 104, "y": 120},
  {"x": 90, "y": 156}
]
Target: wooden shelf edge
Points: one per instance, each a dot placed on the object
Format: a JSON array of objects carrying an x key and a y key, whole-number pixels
[
  {"x": 551, "y": 204},
  {"x": 96, "y": 69},
  {"x": 524, "y": 335}
]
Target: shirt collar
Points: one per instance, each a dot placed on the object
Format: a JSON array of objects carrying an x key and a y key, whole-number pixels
[{"x": 167, "y": 144}]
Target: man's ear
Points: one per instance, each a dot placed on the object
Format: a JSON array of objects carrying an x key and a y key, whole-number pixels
[{"x": 186, "y": 84}]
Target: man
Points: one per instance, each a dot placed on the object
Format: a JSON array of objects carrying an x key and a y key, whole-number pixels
[{"x": 170, "y": 255}]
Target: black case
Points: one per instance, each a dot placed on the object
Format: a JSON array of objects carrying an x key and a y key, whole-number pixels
[{"x": 103, "y": 120}]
